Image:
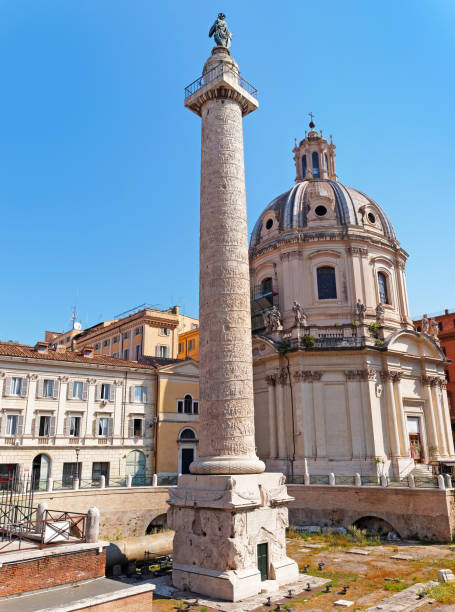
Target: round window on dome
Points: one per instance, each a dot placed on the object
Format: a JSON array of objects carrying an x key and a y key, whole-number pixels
[
  {"x": 320, "y": 211},
  {"x": 269, "y": 224},
  {"x": 371, "y": 218}
]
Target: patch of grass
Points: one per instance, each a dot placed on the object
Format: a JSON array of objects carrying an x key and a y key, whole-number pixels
[
  {"x": 335, "y": 577},
  {"x": 396, "y": 585},
  {"x": 444, "y": 592}
]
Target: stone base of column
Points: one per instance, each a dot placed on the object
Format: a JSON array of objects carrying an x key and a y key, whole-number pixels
[{"x": 227, "y": 530}]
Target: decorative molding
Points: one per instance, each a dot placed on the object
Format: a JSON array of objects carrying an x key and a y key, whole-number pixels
[
  {"x": 396, "y": 376},
  {"x": 91, "y": 381},
  {"x": 33, "y": 376},
  {"x": 352, "y": 375},
  {"x": 283, "y": 376},
  {"x": 385, "y": 375},
  {"x": 425, "y": 380},
  {"x": 63, "y": 379}
]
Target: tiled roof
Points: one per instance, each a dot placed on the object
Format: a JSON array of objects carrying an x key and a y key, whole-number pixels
[
  {"x": 158, "y": 361},
  {"x": 28, "y": 352}
]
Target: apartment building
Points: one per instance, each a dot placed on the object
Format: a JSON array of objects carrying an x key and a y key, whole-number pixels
[
  {"x": 147, "y": 331},
  {"x": 188, "y": 347},
  {"x": 67, "y": 414}
]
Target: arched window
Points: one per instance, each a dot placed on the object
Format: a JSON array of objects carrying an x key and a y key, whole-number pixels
[
  {"x": 304, "y": 166},
  {"x": 135, "y": 466},
  {"x": 326, "y": 162},
  {"x": 327, "y": 287},
  {"x": 187, "y": 434},
  {"x": 315, "y": 161},
  {"x": 188, "y": 404},
  {"x": 266, "y": 286},
  {"x": 383, "y": 290},
  {"x": 40, "y": 472}
]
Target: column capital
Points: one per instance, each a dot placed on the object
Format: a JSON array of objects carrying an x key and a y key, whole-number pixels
[
  {"x": 270, "y": 379},
  {"x": 91, "y": 381},
  {"x": 425, "y": 380},
  {"x": 307, "y": 375},
  {"x": 385, "y": 375},
  {"x": 283, "y": 376}
]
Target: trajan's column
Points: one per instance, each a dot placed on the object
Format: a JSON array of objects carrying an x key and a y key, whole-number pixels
[{"x": 229, "y": 516}]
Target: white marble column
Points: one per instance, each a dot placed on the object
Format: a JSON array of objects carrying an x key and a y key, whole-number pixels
[
  {"x": 271, "y": 383},
  {"x": 430, "y": 420},
  {"x": 280, "y": 414},
  {"x": 446, "y": 412},
  {"x": 226, "y": 422},
  {"x": 392, "y": 424},
  {"x": 319, "y": 418},
  {"x": 401, "y": 418},
  {"x": 442, "y": 438},
  {"x": 368, "y": 388}
]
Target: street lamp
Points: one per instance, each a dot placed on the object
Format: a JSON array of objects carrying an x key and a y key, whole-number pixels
[{"x": 77, "y": 450}]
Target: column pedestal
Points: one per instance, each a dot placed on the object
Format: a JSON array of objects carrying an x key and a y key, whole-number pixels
[{"x": 220, "y": 521}]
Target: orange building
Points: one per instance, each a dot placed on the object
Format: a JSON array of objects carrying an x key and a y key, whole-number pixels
[
  {"x": 189, "y": 344},
  {"x": 446, "y": 324},
  {"x": 146, "y": 331}
]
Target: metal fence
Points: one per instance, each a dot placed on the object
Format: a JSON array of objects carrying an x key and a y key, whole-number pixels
[
  {"x": 215, "y": 73},
  {"x": 366, "y": 481}
]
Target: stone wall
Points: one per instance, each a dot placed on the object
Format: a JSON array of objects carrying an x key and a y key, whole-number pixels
[
  {"x": 123, "y": 512},
  {"x": 423, "y": 513}
]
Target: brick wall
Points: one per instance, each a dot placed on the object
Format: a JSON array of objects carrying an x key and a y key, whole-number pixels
[
  {"x": 51, "y": 571},
  {"x": 143, "y": 601}
]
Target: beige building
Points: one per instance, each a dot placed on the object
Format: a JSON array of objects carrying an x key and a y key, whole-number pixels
[
  {"x": 148, "y": 331},
  {"x": 343, "y": 383},
  {"x": 74, "y": 413}
]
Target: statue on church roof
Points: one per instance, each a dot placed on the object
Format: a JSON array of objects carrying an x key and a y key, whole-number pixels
[
  {"x": 220, "y": 32},
  {"x": 380, "y": 311},
  {"x": 425, "y": 324},
  {"x": 360, "y": 311}
]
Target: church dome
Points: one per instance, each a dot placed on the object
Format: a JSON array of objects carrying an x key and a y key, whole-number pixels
[{"x": 318, "y": 204}]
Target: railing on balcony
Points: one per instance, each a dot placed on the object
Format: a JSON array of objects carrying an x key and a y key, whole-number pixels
[{"x": 216, "y": 73}]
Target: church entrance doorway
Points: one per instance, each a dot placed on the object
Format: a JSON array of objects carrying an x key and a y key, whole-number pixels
[
  {"x": 415, "y": 440},
  {"x": 187, "y": 459}
]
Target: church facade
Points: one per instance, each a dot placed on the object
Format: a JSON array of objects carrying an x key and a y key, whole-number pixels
[{"x": 343, "y": 382}]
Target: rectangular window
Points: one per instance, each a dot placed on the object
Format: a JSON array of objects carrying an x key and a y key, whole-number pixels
[
  {"x": 12, "y": 421},
  {"x": 190, "y": 345},
  {"x": 126, "y": 354},
  {"x": 181, "y": 347},
  {"x": 125, "y": 335},
  {"x": 440, "y": 325},
  {"x": 115, "y": 355},
  {"x": 78, "y": 389},
  {"x": 100, "y": 468},
  {"x": 16, "y": 385},
  {"x": 138, "y": 351},
  {"x": 103, "y": 427},
  {"x": 115, "y": 339},
  {"x": 165, "y": 331},
  {"x": 105, "y": 392},
  {"x": 75, "y": 426},
  {"x": 48, "y": 388},
  {"x": 163, "y": 351},
  {"x": 195, "y": 407},
  {"x": 70, "y": 472},
  {"x": 97, "y": 346},
  {"x": 44, "y": 426},
  {"x": 180, "y": 406},
  {"x": 106, "y": 343},
  {"x": 137, "y": 428},
  {"x": 140, "y": 394},
  {"x": 67, "y": 338},
  {"x": 138, "y": 331}
]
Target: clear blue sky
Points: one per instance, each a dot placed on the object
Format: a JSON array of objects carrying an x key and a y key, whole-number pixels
[{"x": 99, "y": 160}]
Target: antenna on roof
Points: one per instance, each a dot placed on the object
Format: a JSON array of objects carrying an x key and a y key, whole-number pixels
[{"x": 74, "y": 319}]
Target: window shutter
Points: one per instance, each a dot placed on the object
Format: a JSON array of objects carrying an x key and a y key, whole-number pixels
[
  {"x": 131, "y": 428},
  {"x": 69, "y": 390},
  {"x": 67, "y": 426},
  {"x": 40, "y": 388},
  {"x": 98, "y": 392},
  {"x": 97, "y": 427},
  {"x": 112, "y": 390},
  {"x": 144, "y": 394},
  {"x": 110, "y": 426},
  {"x": 84, "y": 391},
  {"x": 24, "y": 389},
  {"x": 3, "y": 425},
  {"x": 131, "y": 395},
  {"x": 56, "y": 388},
  {"x": 20, "y": 425},
  {"x": 157, "y": 350},
  {"x": 52, "y": 427},
  {"x": 142, "y": 428},
  {"x": 8, "y": 386},
  {"x": 37, "y": 425}
]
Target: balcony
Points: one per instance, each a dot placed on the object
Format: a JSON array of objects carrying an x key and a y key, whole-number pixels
[{"x": 217, "y": 73}]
